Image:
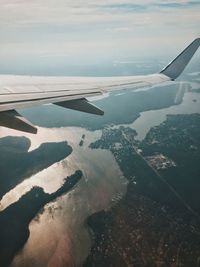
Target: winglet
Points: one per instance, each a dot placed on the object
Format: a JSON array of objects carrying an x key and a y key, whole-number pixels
[{"x": 175, "y": 68}]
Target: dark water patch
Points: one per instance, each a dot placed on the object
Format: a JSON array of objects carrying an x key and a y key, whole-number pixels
[
  {"x": 15, "y": 220},
  {"x": 17, "y": 164}
]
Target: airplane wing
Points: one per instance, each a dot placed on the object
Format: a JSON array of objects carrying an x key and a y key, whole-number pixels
[{"x": 71, "y": 92}]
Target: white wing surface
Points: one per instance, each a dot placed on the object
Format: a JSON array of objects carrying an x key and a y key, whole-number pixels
[{"x": 71, "y": 92}]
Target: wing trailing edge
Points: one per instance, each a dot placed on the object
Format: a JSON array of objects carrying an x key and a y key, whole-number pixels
[
  {"x": 13, "y": 120},
  {"x": 81, "y": 105}
]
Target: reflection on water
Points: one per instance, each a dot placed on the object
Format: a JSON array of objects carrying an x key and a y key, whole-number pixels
[
  {"x": 17, "y": 163},
  {"x": 65, "y": 237},
  {"x": 14, "y": 220},
  {"x": 149, "y": 119}
]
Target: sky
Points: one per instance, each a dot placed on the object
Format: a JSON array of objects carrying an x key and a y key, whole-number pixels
[{"x": 93, "y": 32}]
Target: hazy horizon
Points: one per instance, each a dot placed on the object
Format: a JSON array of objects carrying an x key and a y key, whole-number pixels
[{"x": 56, "y": 34}]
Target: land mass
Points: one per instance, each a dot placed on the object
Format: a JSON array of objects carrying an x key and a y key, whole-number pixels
[{"x": 157, "y": 222}]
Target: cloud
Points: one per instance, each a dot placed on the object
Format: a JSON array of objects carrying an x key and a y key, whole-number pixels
[
  {"x": 79, "y": 27},
  {"x": 178, "y": 4},
  {"x": 35, "y": 13}
]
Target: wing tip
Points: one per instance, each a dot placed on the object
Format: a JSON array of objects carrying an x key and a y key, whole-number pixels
[{"x": 176, "y": 67}]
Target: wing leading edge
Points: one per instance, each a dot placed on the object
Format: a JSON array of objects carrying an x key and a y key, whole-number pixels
[{"x": 71, "y": 92}]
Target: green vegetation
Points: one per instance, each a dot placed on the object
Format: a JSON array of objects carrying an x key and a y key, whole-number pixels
[
  {"x": 150, "y": 226},
  {"x": 179, "y": 139}
]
